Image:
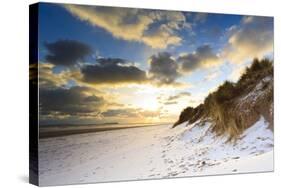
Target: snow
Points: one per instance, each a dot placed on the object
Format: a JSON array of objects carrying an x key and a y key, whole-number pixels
[
  {"x": 260, "y": 163},
  {"x": 152, "y": 153},
  {"x": 258, "y": 91}
]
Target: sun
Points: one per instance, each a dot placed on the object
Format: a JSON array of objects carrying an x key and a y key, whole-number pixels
[
  {"x": 143, "y": 97},
  {"x": 147, "y": 101}
]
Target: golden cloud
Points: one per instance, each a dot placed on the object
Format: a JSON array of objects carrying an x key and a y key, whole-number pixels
[
  {"x": 134, "y": 24},
  {"x": 47, "y": 79},
  {"x": 253, "y": 38}
]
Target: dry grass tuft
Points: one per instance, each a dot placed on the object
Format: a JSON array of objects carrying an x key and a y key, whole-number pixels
[{"x": 225, "y": 108}]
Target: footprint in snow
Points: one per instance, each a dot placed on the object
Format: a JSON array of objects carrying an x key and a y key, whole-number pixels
[{"x": 173, "y": 174}]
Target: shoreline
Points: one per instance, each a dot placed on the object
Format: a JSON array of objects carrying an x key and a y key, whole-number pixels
[{"x": 74, "y": 130}]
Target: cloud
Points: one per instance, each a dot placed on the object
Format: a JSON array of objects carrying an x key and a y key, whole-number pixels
[
  {"x": 161, "y": 38},
  {"x": 212, "y": 75},
  {"x": 48, "y": 79},
  {"x": 112, "y": 71},
  {"x": 119, "y": 112},
  {"x": 171, "y": 103},
  {"x": 67, "y": 52},
  {"x": 203, "y": 57},
  {"x": 180, "y": 95},
  {"x": 134, "y": 24},
  {"x": 111, "y": 61},
  {"x": 200, "y": 17},
  {"x": 74, "y": 101},
  {"x": 173, "y": 99},
  {"x": 252, "y": 38},
  {"x": 163, "y": 68},
  {"x": 130, "y": 113}
]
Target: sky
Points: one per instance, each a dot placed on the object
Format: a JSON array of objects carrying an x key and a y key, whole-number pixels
[{"x": 127, "y": 65}]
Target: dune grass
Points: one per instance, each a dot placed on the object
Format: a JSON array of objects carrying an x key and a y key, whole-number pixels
[{"x": 222, "y": 106}]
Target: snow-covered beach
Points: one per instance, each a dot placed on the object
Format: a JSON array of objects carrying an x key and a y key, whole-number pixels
[{"x": 152, "y": 152}]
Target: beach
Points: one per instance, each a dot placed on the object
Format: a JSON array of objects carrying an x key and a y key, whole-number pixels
[{"x": 152, "y": 152}]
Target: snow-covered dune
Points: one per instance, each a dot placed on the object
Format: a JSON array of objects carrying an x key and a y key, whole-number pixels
[{"x": 153, "y": 152}]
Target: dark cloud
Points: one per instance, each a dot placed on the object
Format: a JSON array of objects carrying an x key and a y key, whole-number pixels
[
  {"x": 202, "y": 57},
  {"x": 112, "y": 71},
  {"x": 163, "y": 68},
  {"x": 206, "y": 52},
  {"x": 72, "y": 101},
  {"x": 67, "y": 52},
  {"x": 189, "y": 62}
]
